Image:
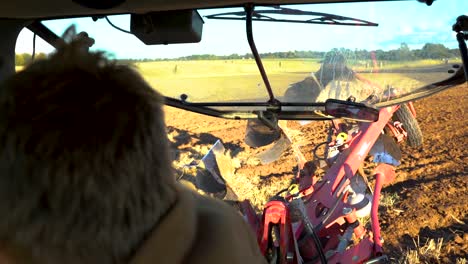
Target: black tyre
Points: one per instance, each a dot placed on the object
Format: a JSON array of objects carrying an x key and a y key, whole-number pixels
[{"x": 410, "y": 124}]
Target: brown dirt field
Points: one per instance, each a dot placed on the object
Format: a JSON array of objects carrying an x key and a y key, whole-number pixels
[{"x": 430, "y": 191}]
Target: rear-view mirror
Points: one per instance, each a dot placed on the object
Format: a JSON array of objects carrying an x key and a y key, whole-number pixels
[
  {"x": 351, "y": 110},
  {"x": 167, "y": 27}
]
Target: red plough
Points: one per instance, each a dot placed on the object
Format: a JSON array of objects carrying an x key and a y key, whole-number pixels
[{"x": 317, "y": 220}]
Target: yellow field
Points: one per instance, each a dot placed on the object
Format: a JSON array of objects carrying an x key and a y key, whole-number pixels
[
  {"x": 240, "y": 80},
  {"x": 227, "y": 80},
  {"x": 223, "y": 80}
]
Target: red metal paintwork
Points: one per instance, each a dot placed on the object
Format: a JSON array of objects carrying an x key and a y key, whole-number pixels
[
  {"x": 384, "y": 174},
  {"x": 276, "y": 214},
  {"x": 327, "y": 207},
  {"x": 411, "y": 108}
]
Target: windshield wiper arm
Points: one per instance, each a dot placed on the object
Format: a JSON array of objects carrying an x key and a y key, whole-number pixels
[{"x": 317, "y": 17}]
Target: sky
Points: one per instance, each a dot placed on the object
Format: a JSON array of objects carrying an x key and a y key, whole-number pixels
[{"x": 410, "y": 22}]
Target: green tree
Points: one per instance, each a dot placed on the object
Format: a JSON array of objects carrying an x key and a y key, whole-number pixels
[
  {"x": 26, "y": 58},
  {"x": 404, "y": 53},
  {"x": 19, "y": 60},
  {"x": 40, "y": 56},
  {"x": 435, "y": 51}
]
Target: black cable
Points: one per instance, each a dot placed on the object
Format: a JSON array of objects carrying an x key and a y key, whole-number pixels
[
  {"x": 116, "y": 27},
  {"x": 281, "y": 191},
  {"x": 316, "y": 156},
  {"x": 318, "y": 244},
  {"x": 34, "y": 48},
  {"x": 310, "y": 230}
]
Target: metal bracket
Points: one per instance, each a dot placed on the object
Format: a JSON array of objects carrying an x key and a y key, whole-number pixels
[
  {"x": 461, "y": 27},
  {"x": 249, "y": 8}
]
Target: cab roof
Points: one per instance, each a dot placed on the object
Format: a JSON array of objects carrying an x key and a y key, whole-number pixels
[{"x": 33, "y": 9}]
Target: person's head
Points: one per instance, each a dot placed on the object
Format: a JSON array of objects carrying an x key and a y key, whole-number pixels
[
  {"x": 334, "y": 67},
  {"x": 84, "y": 166}
]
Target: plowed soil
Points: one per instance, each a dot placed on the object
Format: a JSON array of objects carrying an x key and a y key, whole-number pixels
[{"x": 429, "y": 194}]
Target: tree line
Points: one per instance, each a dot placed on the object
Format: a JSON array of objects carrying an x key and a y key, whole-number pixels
[
  {"x": 22, "y": 59},
  {"x": 403, "y": 53}
]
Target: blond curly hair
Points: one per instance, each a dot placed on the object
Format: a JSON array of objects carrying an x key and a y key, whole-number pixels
[{"x": 84, "y": 166}]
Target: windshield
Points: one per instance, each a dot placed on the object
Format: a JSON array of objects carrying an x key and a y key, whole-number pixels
[{"x": 408, "y": 46}]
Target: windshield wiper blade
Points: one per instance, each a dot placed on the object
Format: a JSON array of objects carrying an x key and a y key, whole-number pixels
[{"x": 317, "y": 17}]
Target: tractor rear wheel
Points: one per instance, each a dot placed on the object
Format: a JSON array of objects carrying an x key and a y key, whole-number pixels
[{"x": 410, "y": 124}]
